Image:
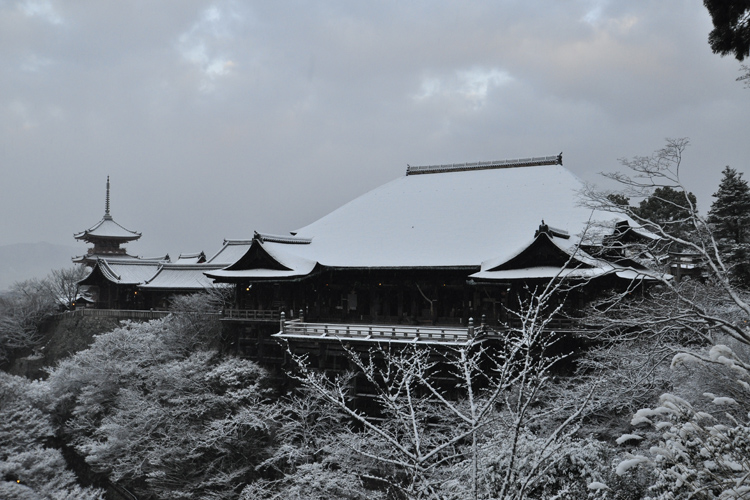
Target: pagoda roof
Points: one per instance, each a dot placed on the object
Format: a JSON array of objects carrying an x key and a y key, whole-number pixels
[
  {"x": 107, "y": 228},
  {"x": 440, "y": 216},
  {"x": 91, "y": 258}
]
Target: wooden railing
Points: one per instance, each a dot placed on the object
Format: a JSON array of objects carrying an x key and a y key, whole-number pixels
[
  {"x": 556, "y": 324},
  {"x": 300, "y": 329},
  {"x": 114, "y": 313},
  {"x": 227, "y": 314},
  {"x": 401, "y": 333},
  {"x": 251, "y": 315}
]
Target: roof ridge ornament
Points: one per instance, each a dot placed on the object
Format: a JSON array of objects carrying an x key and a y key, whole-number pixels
[
  {"x": 106, "y": 203},
  {"x": 275, "y": 238},
  {"x": 485, "y": 165},
  {"x": 551, "y": 231}
]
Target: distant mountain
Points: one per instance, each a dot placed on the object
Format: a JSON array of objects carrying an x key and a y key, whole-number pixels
[{"x": 24, "y": 261}]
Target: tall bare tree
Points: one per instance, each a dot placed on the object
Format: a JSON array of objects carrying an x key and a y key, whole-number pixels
[
  {"x": 703, "y": 307},
  {"x": 437, "y": 404}
]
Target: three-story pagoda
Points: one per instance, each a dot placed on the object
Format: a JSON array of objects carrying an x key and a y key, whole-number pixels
[{"x": 107, "y": 236}]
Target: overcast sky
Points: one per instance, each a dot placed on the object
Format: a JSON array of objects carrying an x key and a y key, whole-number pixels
[{"x": 217, "y": 118}]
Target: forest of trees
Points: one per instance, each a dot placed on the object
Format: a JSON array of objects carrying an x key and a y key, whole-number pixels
[{"x": 656, "y": 406}]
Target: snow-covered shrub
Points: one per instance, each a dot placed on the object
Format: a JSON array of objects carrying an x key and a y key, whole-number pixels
[
  {"x": 567, "y": 471},
  {"x": 314, "y": 481},
  {"x": 700, "y": 449}
]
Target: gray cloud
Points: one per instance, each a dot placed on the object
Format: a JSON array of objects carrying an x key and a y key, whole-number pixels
[{"x": 218, "y": 118}]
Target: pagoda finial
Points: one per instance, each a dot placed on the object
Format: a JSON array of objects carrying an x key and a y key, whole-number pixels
[{"x": 106, "y": 205}]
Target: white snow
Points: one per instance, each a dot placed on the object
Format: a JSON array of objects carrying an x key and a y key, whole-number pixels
[
  {"x": 596, "y": 485},
  {"x": 724, "y": 401},
  {"x": 628, "y": 464},
  {"x": 447, "y": 219},
  {"x": 628, "y": 437},
  {"x": 683, "y": 358},
  {"x": 720, "y": 350},
  {"x": 641, "y": 416}
]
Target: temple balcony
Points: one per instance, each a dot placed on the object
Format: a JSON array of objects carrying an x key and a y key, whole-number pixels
[
  {"x": 251, "y": 315},
  {"x": 300, "y": 330}
]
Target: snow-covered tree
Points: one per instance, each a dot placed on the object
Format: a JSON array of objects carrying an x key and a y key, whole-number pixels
[
  {"x": 668, "y": 209},
  {"x": 311, "y": 458},
  {"x": 29, "y": 467},
  {"x": 729, "y": 217},
  {"x": 700, "y": 308},
  {"x": 700, "y": 448},
  {"x": 62, "y": 284},
  {"x": 23, "y": 309},
  {"x": 161, "y": 417}
]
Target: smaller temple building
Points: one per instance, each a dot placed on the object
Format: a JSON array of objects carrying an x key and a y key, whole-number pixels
[{"x": 119, "y": 280}]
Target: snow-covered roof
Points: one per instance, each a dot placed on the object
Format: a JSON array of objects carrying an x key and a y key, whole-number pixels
[
  {"x": 539, "y": 272},
  {"x": 551, "y": 257},
  {"x": 180, "y": 277},
  {"x": 266, "y": 260},
  {"x": 124, "y": 272},
  {"x": 230, "y": 252},
  {"x": 107, "y": 228},
  {"x": 91, "y": 257},
  {"x": 447, "y": 217},
  {"x": 191, "y": 258}
]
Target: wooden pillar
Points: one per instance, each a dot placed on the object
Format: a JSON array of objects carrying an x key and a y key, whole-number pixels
[{"x": 375, "y": 303}]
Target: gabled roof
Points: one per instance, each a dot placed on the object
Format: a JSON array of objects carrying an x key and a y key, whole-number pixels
[
  {"x": 544, "y": 250},
  {"x": 230, "y": 252},
  {"x": 452, "y": 216},
  {"x": 268, "y": 258},
  {"x": 623, "y": 233},
  {"x": 547, "y": 256}
]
